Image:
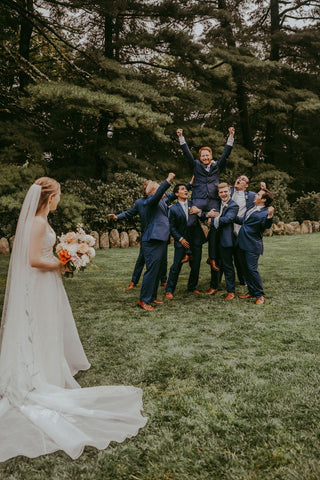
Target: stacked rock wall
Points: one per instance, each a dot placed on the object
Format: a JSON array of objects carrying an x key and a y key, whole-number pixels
[{"x": 123, "y": 239}]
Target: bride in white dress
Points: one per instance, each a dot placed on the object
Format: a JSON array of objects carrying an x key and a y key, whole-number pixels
[{"x": 42, "y": 407}]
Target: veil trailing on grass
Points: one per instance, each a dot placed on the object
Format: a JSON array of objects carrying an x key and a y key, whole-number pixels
[{"x": 42, "y": 407}]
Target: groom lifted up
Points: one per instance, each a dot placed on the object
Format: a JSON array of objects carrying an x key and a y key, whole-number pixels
[{"x": 206, "y": 173}]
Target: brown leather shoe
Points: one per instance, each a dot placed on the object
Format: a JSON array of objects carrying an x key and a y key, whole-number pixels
[
  {"x": 213, "y": 264},
  {"x": 185, "y": 259},
  {"x": 163, "y": 284},
  {"x": 157, "y": 302},
  {"x": 145, "y": 306},
  {"x": 244, "y": 297},
  {"x": 169, "y": 295},
  {"x": 230, "y": 296},
  {"x": 211, "y": 291},
  {"x": 131, "y": 285},
  {"x": 196, "y": 291},
  {"x": 260, "y": 301}
]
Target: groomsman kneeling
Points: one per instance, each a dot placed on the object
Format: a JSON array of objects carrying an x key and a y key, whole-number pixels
[{"x": 254, "y": 222}]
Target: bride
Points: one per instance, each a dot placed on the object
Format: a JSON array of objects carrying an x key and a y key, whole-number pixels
[{"x": 42, "y": 407}]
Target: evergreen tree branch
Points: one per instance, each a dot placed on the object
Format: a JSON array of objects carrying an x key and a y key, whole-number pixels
[
  {"x": 294, "y": 7},
  {"x": 23, "y": 63}
]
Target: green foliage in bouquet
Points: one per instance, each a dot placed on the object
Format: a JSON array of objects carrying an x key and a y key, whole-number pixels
[
  {"x": 307, "y": 207},
  {"x": 102, "y": 198}
]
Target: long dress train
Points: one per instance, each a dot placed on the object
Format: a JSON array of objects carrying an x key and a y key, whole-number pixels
[{"x": 42, "y": 407}]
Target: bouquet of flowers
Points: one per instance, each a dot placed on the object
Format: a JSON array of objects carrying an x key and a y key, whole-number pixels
[{"x": 75, "y": 250}]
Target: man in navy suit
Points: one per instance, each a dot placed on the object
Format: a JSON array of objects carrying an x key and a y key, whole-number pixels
[
  {"x": 206, "y": 179},
  {"x": 178, "y": 220},
  {"x": 139, "y": 209},
  {"x": 253, "y": 224},
  {"x": 223, "y": 223},
  {"x": 244, "y": 199},
  {"x": 154, "y": 241}
]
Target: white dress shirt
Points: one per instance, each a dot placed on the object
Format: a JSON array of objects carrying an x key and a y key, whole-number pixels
[
  {"x": 216, "y": 220},
  {"x": 239, "y": 197},
  {"x": 185, "y": 208}
]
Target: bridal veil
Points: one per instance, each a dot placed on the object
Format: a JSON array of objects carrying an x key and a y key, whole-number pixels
[{"x": 42, "y": 408}]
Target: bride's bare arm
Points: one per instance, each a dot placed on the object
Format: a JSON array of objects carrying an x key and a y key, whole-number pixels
[{"x": 37, "y": 234}]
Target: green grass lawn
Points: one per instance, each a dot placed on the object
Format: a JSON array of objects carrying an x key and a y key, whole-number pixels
[{"x": 231, "y": 389}]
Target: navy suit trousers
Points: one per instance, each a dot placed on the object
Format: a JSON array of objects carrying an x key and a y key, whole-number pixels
[
  {"x": 139, "y": 267},
  {"x": 226, "y": 254},
  {"x": 237, "y": 263},
  {"x": 155, "y": 255},
  {"x": 175, "y": 269},
  {"x": 206, "y": 204},
  {"x": 179, "y": 253},
  {"x": 249, "y": 263}
]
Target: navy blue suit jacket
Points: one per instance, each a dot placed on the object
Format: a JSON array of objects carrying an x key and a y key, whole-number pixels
[
  {"x": 157, "y": 215},
  {"x": 205, "y": 183},
  {"x": 249, "y": 196},
  {"x": 178, "y": 226},
  {"x": 251, "y": 233},
  {"x": 226, "y": 220}
]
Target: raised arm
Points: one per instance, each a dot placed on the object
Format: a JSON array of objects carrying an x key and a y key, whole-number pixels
[
  {"x": 184, "y": 146},
  {"x": 156, "y": 197},
  {"x": 227, "y": 149}
]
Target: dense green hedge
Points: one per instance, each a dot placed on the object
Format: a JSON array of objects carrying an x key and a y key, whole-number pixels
[
  {"x": 307, "y": 207},
  {"x": 88, "y": 202}
]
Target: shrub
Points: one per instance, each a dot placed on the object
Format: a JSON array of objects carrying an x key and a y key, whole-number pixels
[
  {"x": 102, "y": 198},
  {"x": 14, "y": 184},
  {"x": 307, "y": 207},
  {"x": 277, "y": 182}
]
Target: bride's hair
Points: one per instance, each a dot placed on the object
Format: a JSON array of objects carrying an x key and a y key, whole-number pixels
[{"x": 48, "y": 186}]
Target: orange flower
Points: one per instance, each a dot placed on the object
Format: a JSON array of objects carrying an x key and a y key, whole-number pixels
[{"x": 64, "y": 256}]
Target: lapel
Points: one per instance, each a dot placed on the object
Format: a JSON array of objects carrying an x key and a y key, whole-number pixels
[{"x": 257, "y": 213}]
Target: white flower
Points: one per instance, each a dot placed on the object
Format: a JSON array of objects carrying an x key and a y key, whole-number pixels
[
  {"x": 85, "y": 260},
  {"x": 90, "y": 240},
  {"x": 91, "y": 252}
]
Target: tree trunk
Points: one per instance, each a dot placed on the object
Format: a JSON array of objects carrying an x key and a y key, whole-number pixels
[
  {"x": 108, "y": 36},
  {"x": 274, "y": 56},
  {"x": 241, "y": 94},
  {"x": 25, "y": 40},
  {"x": 275, "y": 29}
]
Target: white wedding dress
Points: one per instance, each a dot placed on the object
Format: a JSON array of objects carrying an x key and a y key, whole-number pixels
[{"x": 42, "y": 407}]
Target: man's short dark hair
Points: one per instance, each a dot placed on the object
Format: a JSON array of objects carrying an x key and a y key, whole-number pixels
[
  {"x": 176, "y": 187},
  {"x": 268, "y": 196}
]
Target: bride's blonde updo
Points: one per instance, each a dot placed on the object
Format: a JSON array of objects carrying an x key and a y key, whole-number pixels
[{"x": 49, "y": 186}]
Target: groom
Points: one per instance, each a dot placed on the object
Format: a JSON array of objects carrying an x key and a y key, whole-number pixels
[
  {"x": 205, "y": 188},
  {"x": 249, "y": 240}
]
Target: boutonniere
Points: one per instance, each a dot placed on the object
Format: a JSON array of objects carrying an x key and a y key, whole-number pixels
[
  {"x": 258, "y": 209},
  {"x": 226, "y": 205},
  {"x": 246, "y": 196}
]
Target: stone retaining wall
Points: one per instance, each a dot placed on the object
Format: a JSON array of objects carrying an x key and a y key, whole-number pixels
[{"x": 116, "y": 239}]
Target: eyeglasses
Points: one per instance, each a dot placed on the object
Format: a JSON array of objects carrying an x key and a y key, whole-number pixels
[{"x": 243, "y": 179}]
